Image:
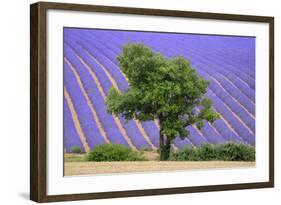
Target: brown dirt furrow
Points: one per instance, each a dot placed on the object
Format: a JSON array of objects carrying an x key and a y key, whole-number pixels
[
  {"x": 76, "y": 121},
  {"x": 99, "y": 125}
]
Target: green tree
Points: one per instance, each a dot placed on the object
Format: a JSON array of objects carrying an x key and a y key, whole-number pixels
[{"x": 168, "y": 90}]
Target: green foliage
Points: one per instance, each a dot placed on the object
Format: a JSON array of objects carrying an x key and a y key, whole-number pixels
[
  {"x": 76, "y": 149},
  {"x": 185, "y": 154},
  {"x": 207, "y": 152},
  {"x": 226, "y": 152},
  {"x": 236, "y": 152},
  {"x": 167, "y": 89},
  {"x": 114, "y": 152}
]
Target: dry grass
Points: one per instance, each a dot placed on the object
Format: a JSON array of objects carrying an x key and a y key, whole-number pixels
[{"x": 90, "y": 168}]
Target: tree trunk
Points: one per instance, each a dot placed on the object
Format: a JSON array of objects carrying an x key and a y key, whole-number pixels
[
  {"x": 162, "y": 147},
  {"x": 165, "y": 147}
]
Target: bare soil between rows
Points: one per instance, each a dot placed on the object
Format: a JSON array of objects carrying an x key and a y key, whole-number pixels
[{"x": 92, "y": 168}]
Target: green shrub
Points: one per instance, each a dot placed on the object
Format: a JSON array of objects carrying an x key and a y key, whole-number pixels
[
  {"x": 207, "y": 152},
  {"x": 236, "y": 152},
  {"x": 186, "y": 154},
  {"x": 76, "y": 150},
  {"x": 114, "y": 152},
  {"x": 229, "y": 151}
]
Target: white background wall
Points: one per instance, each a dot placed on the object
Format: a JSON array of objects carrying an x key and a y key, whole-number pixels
[{"x": 14, "y": 101}]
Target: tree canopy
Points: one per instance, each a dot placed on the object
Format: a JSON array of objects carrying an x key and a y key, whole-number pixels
[{"x": 166, "y": 89}]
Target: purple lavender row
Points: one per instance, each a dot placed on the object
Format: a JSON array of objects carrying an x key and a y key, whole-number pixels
[
  {"x": 155, "y": 134},
  {"x": 130, "y": 127},
  {"x": 236, "y": 93},
  {"x": 149, "y": 127},
  {"x": 82, "y": 109},
  {"x": 225, "y": 48},
  {"x": 70, "y": 135},
  {"x": 250, "y": 93},
  {"x": 205, "y": 45},
  {"x": 140, "y": 37},
  {"x": 96, "y": 99},
  {"x": 235, "y": 123},
  {"x": 247, "y": 91},
  {"x": 182, "y": 143},
  {"x": 241, "y": 113},
  {"x": 146, "y": 34},
  {"x": 233, "y": 90},
  {"x": 223, "y": 80},
  {"x": 223, "y": 95},
  {"x": 242, "y": 99},
  {"x": 214, "y": 137},
  {"x": 205, "y": 132},
  {"x": 209, "y": 133},
  {"x": 219, "y": 61}
]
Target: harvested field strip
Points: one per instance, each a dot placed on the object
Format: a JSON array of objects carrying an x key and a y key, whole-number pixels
[{"x": 91, "y": 168}]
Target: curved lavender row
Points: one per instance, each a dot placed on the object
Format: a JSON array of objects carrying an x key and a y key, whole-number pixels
[
  {"x": 156, "y": 133},
  {"x": 211, "y": 135},
  {"x": 193, "y": 43},
  {"x": 96, "y": 99},
  {"x": 149, "y": 126},
  {"x": 218, "y": 51},
  {"x": 250, "y": 93},
  {"x": 226, "y": 132},
  {"x": 250, "y": 140},
  {"x": 135, "y": 135},
  {"x": 229, "y": 101},
  {"x": 182, "y": 143},
  {"x": 217, "y": 62},
  {"x": 214, "y": 136},
  {"x": 231, "y": 52},
  {"x": 233, "y": 89},
  {"x": 222, "y": 94},
  {"x": 82, "y": 109},
  {"x": 238, "y": 127},
  {"x": 236, "y": 93},
  {"x": 241, "y": 98},
  {"x": 140, "y": 36},
  {"x": 201, "y": 57},
  {"x": 71, "y": 137},
  {"x": 105, "y": 50},
  {"x": 99, "y": 54},
  {"x": 152, "y": 132},
  {"x": 195, "y": 137},
  {"x": 130, "y": 127}
]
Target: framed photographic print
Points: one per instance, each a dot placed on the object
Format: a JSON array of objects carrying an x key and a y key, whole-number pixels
[{"x": 135, "y": 102}]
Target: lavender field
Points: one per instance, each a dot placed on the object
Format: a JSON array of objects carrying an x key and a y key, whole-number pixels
[{"x": 91, "y": 69}]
